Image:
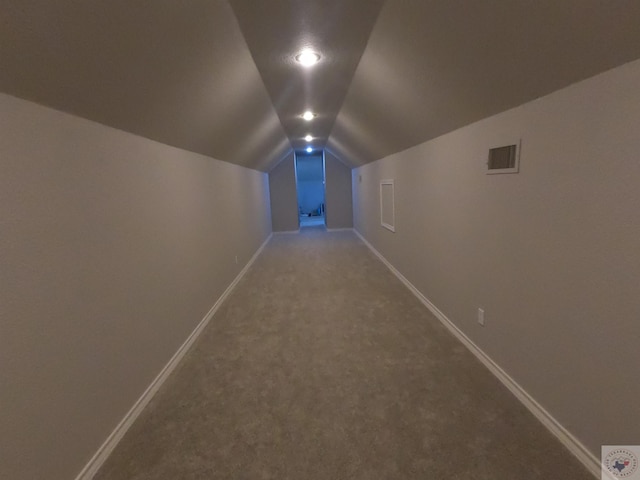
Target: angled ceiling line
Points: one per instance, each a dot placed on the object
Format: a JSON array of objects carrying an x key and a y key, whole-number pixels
[
  {"x": 432, "y": 67},
  {"x": 278, "y": 31},
  {"x": 219, "y": 78},
  {"x": 179, "y": 73}
]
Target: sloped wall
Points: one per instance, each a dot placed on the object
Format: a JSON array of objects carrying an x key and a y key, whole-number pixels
[
  {"x": 551, "y": 254},
  {"x": 113, "y": 248}
]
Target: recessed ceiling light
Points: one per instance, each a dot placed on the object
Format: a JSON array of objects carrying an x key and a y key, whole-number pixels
[
  {"x": 306, "y": 58},
  {"x": 309, "y": 149},
  {"x": 308, "y": 138},
  {"x": 308, "y": 115}
]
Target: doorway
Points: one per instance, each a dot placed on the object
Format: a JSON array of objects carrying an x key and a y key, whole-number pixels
[{"x": 310, "y": 187}]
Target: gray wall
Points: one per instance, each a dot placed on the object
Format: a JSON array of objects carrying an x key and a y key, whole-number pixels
[
  {"x": 339, "y": 211},
  {"x": 284, "y": 200},
  {"x": 113, "y": 248},
  {"x": 552, "y": 253}
]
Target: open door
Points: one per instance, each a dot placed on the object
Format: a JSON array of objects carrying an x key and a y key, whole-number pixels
[{"x": 310, "y": 186}]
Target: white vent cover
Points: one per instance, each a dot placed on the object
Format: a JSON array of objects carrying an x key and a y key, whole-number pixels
[
  {"x": 387, "y": 205},
  {"x": 504, "y": 159}
]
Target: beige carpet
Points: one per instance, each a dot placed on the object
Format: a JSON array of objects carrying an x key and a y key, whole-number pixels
[{"x": 322, "y": 365}]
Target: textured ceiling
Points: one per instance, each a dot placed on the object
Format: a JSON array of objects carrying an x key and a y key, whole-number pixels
[{"x": 217, "y": 76}]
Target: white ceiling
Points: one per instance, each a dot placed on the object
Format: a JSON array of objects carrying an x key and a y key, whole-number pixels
[{"x": 218, "y": 77}]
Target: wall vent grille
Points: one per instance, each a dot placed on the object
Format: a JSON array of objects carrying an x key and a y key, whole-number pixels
[{"x": 504, "y": 159}]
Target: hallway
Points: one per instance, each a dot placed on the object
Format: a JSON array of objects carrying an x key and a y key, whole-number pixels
[
  {"x": 322, "y": 365},
  {"x": 485, "y": 152}
]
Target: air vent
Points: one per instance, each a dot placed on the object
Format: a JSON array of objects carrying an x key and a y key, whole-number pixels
[
  {"x": 504, "y": 159},
  {"x": 387, "y": 205}
]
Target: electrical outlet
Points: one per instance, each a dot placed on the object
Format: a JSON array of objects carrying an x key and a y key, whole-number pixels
[
  {"x": 481, "y": 316},
  {"x": 236, "y": 259}
]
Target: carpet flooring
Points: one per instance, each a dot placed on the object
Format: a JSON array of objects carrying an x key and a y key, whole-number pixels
[
  {"x": 322, "y": 365},
  {"x": 306, "y": 221}
]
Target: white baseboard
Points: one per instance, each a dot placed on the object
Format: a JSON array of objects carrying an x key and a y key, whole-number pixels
[
  {"x": 566, "y": 438},
  {"x": 92, "y": 467},
  {"x": 346, "y": 229},
  {"x": 287, "y": 232}
]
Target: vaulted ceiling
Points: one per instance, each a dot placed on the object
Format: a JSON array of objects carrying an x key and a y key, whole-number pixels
[{"x": 219, "y": 77}]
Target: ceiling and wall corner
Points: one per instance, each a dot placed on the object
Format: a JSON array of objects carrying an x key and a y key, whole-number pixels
[
  {"x": 432, "y": 67},
  {"x": 219, "y": 77},
  {"x": 176, "y": 72}
]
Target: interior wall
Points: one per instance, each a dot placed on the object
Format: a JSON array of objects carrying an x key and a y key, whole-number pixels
[
  {"x": 283, "y": 196},
  {"x": 339, "y": 211},
  {"x": 550, "y": 253},
  {"x": 310, "y": 183},
  {"x": 113, "y": 249}
]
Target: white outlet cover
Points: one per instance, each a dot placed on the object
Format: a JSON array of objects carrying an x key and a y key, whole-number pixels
[{"x": 481, "y": 316}]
